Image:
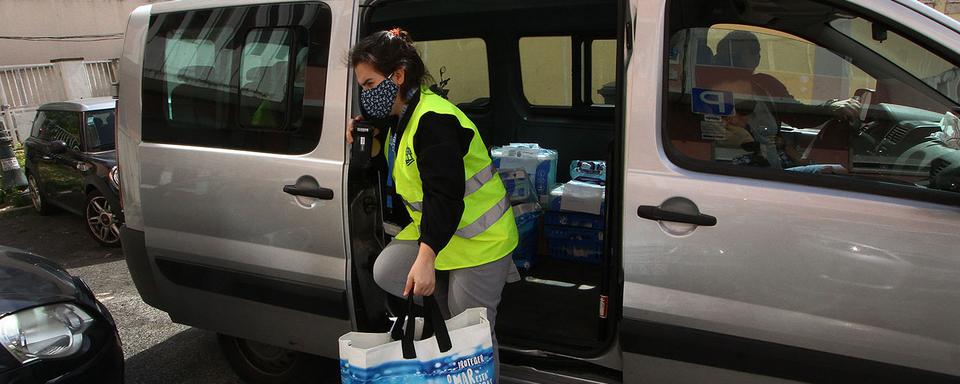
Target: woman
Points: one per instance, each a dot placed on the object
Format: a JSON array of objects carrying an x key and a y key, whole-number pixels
[{"x": 462, "y": 233}]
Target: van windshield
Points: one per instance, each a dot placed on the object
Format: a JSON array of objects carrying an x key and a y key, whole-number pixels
[{"x": 919, "y": 62}]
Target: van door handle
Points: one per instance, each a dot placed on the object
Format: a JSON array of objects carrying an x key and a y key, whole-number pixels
[
  {"x": 659, "y": 214},
  {"x": 314, "y": 192}
]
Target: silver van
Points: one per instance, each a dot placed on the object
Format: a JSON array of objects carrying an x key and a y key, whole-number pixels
[{"x": 782, "y": 191}]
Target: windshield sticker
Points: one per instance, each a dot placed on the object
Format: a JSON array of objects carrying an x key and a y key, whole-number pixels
[
  {"x": 712, "y": 128},
  {"x": 711, "y": 102}
]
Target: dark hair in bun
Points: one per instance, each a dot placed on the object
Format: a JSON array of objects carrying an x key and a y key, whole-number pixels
[{"x": 387, "y": 51}]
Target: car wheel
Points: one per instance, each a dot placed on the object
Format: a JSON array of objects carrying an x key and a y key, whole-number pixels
[
  {"x": 36, "y": 196},
  {"x": 102, "y": 223},
  {"x": 260, "y": 363}
]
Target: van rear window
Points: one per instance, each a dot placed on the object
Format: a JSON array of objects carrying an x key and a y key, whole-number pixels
[
  {"x": 237, "y": 78},
  {"x": 546, "y": 69},
  {"x": 464, "y": 63},
  {"x": 568, "y": 72}
]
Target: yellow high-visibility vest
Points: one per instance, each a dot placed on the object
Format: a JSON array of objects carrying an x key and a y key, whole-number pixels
[{"x": 487, "y": 230}]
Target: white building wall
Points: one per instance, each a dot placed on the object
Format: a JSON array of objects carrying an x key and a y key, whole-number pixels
[{"x": 31, "y": 18}]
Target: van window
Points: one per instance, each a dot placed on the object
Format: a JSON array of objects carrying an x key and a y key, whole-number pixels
[
  {"x": 773, "y": 103},
  {"x": 266, "y": 64},
  {"x": 189, "y": 65},
  {"x": 234, "y": 78},
  {"x": 546, "y": 70},
  {"x": 463, "y": 63},
  {"x": 940, "y": 74},
  {"x": 64, "y": 126},
  {"x": 603, "y": 71}
]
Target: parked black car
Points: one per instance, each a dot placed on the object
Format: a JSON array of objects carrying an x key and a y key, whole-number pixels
[
  {"x": 52, "y": 328},
  {"x": 71, "y": 163}
]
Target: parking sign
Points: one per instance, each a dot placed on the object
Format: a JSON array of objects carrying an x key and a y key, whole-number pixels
[{"x": 711, "y": 102}]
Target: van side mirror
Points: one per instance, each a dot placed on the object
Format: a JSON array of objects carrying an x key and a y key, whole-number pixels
[{"x": 58, "y": 146}]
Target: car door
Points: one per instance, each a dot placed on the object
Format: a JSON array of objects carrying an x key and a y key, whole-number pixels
[
  {"x": 61, "y": 180},
  {"x": 242, "y": 169},
  {"x": 747, "y": 272},
  {"x": 36, "y": 148}
]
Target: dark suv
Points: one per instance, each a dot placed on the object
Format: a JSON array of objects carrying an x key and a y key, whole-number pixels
[{"x": 71, "y": 164}]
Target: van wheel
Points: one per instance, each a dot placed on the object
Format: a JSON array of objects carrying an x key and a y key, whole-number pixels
[
  {"x": 101, "y": 220},
  {"x": 260, "y": 363},
  {"x": 36, "y": 197}
]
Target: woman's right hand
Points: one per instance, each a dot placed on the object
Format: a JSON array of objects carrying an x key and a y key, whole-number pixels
[{"x": 350, "y": 128}]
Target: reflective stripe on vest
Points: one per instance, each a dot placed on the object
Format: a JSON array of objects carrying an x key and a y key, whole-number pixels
[
  {"x": 470, "y": 186},
  {"x": 486, "y": 220},
  {"x": 478, "y": 180}
]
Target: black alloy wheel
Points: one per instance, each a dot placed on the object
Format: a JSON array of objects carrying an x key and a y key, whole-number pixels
[
  {"x": 102, "y": 223},
  {"x": 260, "y": 363}
]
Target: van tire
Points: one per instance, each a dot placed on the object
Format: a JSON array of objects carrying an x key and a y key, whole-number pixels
[{"x": 258, "y": 363}]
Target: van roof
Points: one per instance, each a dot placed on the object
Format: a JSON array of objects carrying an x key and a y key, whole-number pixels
[{"x": 81, "y": 105}]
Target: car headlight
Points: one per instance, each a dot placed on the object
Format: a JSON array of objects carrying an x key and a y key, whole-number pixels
[
  {"x": 114, "y": 177},
  {"x": 45, "y": 332}
]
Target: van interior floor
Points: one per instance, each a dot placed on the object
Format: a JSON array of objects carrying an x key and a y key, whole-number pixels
[{"x": 552, "y": 293}]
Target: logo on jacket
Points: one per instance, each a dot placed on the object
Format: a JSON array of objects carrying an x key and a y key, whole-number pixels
[{"x": 408, "y": 157}]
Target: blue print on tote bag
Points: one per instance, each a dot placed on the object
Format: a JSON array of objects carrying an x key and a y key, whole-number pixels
[
  {"x": 476, "y": 368},
  {"x": 459, "y": 350}
]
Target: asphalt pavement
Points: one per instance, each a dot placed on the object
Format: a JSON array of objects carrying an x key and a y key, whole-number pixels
[{"x": 155, "y": 349}]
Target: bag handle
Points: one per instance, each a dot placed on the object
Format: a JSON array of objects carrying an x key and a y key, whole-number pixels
[
  {"x": 433, "y": 320},
  {"x": 396, "y": 330}
]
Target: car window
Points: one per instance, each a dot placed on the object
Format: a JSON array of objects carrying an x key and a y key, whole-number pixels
[
  {"x": 461, "y": 65},
  {"x": 98, "y": 130},
  {"x": 768, "y": 102},
  {"x": 255, "y": 84},
  {"x": 64, "y": 126},
  {"x": 38, "y": 122},
  {"x": 546, "y": 69}
]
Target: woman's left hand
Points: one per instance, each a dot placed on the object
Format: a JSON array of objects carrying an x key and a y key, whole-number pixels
[{"x": 422, "y": 279}]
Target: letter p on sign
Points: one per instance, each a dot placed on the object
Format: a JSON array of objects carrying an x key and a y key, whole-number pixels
[{"x": 710, "y": 102}]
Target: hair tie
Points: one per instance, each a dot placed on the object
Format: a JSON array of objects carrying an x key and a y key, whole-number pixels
[{"x": 394, "y": 32}]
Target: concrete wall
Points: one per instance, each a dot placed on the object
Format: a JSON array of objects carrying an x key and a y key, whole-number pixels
[
  {"x": 949, "y": 7},
  {"x": 62, "y": 18}
]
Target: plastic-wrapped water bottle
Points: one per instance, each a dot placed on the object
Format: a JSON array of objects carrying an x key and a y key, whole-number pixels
[{"x": 589, "y": 171}]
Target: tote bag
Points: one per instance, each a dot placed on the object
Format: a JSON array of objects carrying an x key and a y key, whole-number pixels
[{"x": 421, "y": 350}]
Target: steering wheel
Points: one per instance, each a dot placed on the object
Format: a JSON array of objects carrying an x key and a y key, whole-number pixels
[{"x": 864, "y": 96}]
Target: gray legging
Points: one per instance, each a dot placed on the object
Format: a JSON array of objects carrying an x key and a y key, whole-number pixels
[{"x": 457, "y": 290}]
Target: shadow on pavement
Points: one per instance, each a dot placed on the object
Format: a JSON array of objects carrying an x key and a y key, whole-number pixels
[
  {"x": 191, "y": 356},
  {"x": 60, "y": 237}
]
